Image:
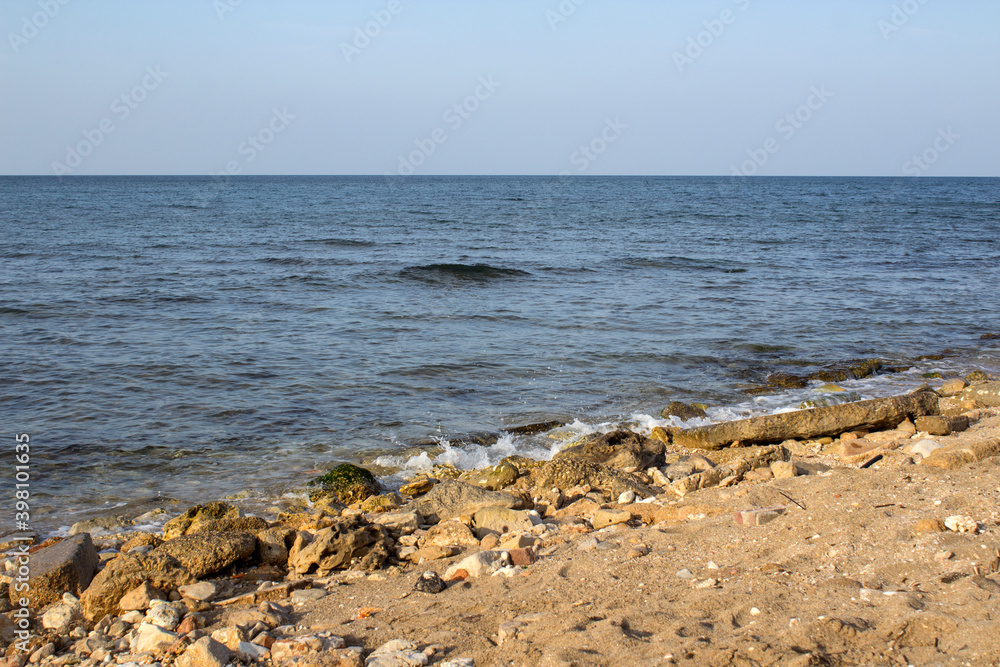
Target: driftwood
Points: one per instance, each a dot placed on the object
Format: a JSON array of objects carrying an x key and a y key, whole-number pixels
[{"x": 817, "y": 422}]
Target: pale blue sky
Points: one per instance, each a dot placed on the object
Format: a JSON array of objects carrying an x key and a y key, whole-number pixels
[{"x": 607, "y": 77}]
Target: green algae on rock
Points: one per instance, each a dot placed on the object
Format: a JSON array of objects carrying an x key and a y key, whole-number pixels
[{"x": 347, "y": 483}]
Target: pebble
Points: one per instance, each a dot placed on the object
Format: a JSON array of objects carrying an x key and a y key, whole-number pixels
[
  {"x": 203, "y": 591},
  {"x": 754, "y": 611},
  {"x": 164, "y": 615},
  {"x": 588, "y": 545},
  {"x": 458, "y": 662},
  {"x": 626, "y": 498},
  {"x": 397, "y": 653},
  {"x": 961, "y": 524},
  {"x": 685, "y": 574},
  {"x": 307, "y": 595},
  {"x": 711, "y": 565},
  {"x": 429, "y": 582}
]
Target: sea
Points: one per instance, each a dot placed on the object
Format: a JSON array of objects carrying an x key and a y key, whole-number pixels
[{"x": 166, "y": 341}]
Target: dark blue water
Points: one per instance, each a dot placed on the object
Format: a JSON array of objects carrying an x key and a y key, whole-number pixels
[{"x": 193, "y": 338}]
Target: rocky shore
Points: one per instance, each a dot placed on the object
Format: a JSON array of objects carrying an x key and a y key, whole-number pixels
[{"x": 866, "y": 533}]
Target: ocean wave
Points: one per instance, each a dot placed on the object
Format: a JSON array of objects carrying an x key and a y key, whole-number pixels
[
  {"x": 345, "y": 243},
  {"x": 462, "y": 272}
]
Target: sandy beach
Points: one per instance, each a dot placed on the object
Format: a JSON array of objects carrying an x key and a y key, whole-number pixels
[{"x": 859, "y": 548}]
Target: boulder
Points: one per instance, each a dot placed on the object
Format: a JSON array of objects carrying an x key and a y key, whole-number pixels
[
  {"x": 203, "y": 554},
  {"x": 123, "y": 574},
  {"x": 197, "y": 515},
  {"x": 451, "y": 498},
  {"x": 151, "y": 638},
  {"x": 942, "y": 425},
  {"x": 987, "y": 395},
  {"x": 65, "y": 567},
  {"x": 500, "y": 520},
  {"x": 337, "y": 547},
  {"x": 273, "y": 545},
  {"x": 450, "y": 534},
  {"x": 879, "y": 413},
  {"x": 617, "y": 449},
  {"x": 347, "y": 483},
  {"x": 496, "y": 478},
  {"x": 959, "y": 455},
  {"x": 140, "y": 597},
  {"x": 243, "y": 524},
  {"x": 683, "y": 411},
  {"x": 206, "y": 652},
  {"x": 567, "y": 473}
]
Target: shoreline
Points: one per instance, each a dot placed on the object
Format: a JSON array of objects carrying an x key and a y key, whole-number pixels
[{"x": 851, "y": 549}]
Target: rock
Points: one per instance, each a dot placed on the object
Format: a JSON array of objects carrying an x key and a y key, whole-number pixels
[
  {"x": 986, "y": 395},
  {"x": 609, "y": 517},
  {"x": 151, "y": 638},
  {"x": 923, "y": 448},
  {"x": 347, "y": 483},
  {"x": 759, "y": 517},
  {"x": 197, "y": 515},
  {"x": 626, "y": 498},
  {"x": 206, "y": 652},
  {"x": 426, "y": 554},
  {"x": 273, "y": 545},
  {"x": 337, "y": 547},
  {"x": 417, "y": 487},
  {"x": 429, "y": 582},
  {"x": 952, "y": 388},
  {"x": 477, "y": 564},
  {"x": 567, "y": 473},
  {"x": 961, "y": 524},
  {"x": 242, "y": 524},
  {"x": 683, "y": 411},
  {"x": 61, "y": 618},
  {"x": 588, "y": 544},
  {"x": 125, "y": 573},
  {"x": 304, "y": 646},
  {"x": 758, "y": 476},
  {"x": 231, "y": 637},
  {"x": 802, "y": 424},
  {"x": 203, "y": 591},
  {"x": 942, "y": 425},
  {"x": 141, "y": 540},
  {"x": 977, "y": 377},
  {"x": 7, "y": 630},
  {"x": 68, "y": 565},
  {"x": 308, "y": 595},
  {"x": 522, "y": 557},
  {"x": 450, "y": 499},
  {"x": 500, "y": 520},
  {"x": 496, "y": 478},
  {"x": 458, "y": 662},
  {"x": 103, "y": 525},
  {"x": 400, "y": 523},
  {"x": 784, "y": 470},
  {"x": 250, "y": 652},
  {"x": 163, "y": 615},
  {"x": 620, "y": 450},
  {"x": 386, "y": 502},
  {"x": 207, "y": 553},
  {"x": 685, "y": 574},
  {"x": 929, "y": 526},
  {"x": 450, "y": 533},
  {"x": 397, "y": 653},
  {"x": 521, "y": 541},
  {"x": 140, "y": 597},
  {"x": 959, "y": 455},
  {"x": 906, "y": 427},
  {"x": 750, "y": 458}
]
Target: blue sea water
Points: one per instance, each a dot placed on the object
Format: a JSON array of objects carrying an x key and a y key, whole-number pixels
[{"x": 191, "y": 338}]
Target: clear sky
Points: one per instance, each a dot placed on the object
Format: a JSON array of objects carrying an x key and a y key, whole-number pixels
[{"x": 769, "y": 87}]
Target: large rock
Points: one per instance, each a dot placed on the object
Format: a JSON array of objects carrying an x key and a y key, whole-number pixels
[
  {"x": 500, "y": 520},
  {"x": 243, "y": 524},
  {"x": 985, "y": 394},
  {"x": 683, "y": 411},
  {"x": 959, "y": 455},
  {"x": 206, "y": 652},
  {"x": 125, "y": 573},
  {"x": 273, "y": 545},
  {"x": 347, "y": 483},
  {"x": 450, "y": 534},
  {"x": 194, "y": 516},
  {"x": 337, "y": 547},
  {"x": 567, "y": 473},
  {"x": 617, "y": 449},
  {"x": 68, "y": 566},
  {"x": 203, "y": 554},
  {"x": 452, "y": 498},
  {"x": 874, "y": 414}
]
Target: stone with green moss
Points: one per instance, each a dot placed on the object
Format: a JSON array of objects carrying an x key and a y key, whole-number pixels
[
  {"x": 977, "y": 376},
  {"x": 347, "y": 483}
]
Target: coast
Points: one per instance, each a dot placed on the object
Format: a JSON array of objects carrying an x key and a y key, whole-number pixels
[{"x": 863, "y": 544}]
